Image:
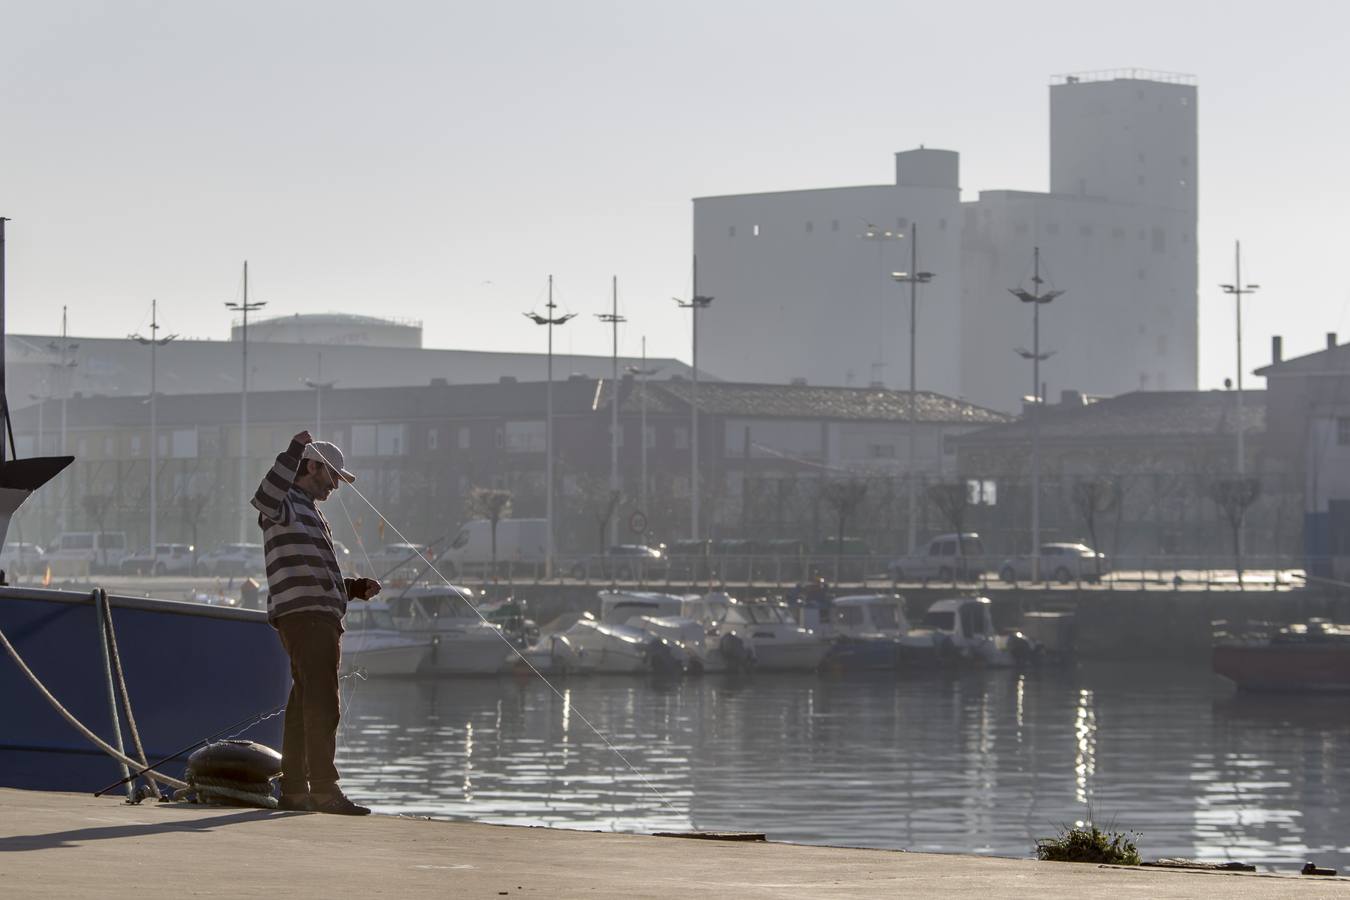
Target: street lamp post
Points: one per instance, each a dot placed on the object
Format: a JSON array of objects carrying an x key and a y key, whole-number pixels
[
  {"x": 244, "y": 308},
  {"x": 64, "y": 368},
  {"x": 694, "y": 304},
  {"x": 880, "y": 236},
  {"x": 913, "y": 278},
  {"x": 642, "y": 373},
  {"x": 318, "y": 385},
  {"x": 1037, "y": 300},
  {"x": 550, "y": 320},
  {"x": 1236, "y": 291},
  {"x": 613, "y": 319},
  {"x": 154, "y": 341}
]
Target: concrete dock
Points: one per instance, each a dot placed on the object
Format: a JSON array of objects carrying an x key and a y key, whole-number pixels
[{"x": 72, "y": 845}]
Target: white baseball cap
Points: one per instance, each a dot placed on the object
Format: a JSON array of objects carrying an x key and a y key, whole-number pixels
[{"x": 330, "y": 455}]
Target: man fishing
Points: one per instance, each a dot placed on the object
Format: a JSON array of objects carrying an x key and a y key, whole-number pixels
[{"x": 307, "y": 598}]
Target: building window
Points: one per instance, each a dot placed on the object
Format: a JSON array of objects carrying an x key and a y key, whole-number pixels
[
  {"x": 108, "y": 446},
  {"x": 1343, "y": 430},
  {"x": 1052, "y": 228},
  {"x": 881, "y": 451},
  {"x": 1162, "y": 345},
  {"x": 464, "y": 437},
  {"x": 681, "y": 437},
  {"x": 834, "y": 224},
  {"x": 731, "y": 231},
  {"x": 184, "y": 443},
  {"x": 754, "y": 230},
  {"x": 809, "y": 226},
  {"x": 135, "y": 445},
  {"x": 942, "y": 224},
  {"x": 524, "y": 437},
  {"x": 1159, "y": 240},
  {"x": 432, "y": 438}
]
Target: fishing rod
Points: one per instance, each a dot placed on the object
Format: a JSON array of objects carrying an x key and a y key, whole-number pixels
[{"x": 243, "y": 724}]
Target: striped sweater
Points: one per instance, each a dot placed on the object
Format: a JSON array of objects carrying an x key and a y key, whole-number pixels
[{"x": 302, "y": 568}]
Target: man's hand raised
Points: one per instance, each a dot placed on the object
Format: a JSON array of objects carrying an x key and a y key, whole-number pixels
[{"x": 303, "y": 438}]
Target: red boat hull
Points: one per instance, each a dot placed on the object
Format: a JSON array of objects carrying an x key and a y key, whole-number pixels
[{"x": 1286, "y": 667}]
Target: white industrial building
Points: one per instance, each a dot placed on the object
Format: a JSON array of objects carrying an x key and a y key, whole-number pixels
[{"x": 803, "y": 286}]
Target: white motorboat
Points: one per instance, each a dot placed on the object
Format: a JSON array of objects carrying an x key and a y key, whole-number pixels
[
  {"x": 867, "y": 631},
  {"x": 769, "y": 628},
  {"x": 589, "y": 646},
  {"x": 462, "y": 642},
  {"x": 962, "y": 629},
  {"x": 662, "y": 616},
  {"x": 374, "y": 644}
]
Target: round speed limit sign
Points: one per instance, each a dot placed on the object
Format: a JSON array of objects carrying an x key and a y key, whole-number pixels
[{"x": 637, "y": 522}]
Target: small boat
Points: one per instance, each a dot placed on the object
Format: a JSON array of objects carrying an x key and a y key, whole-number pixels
[
  {"x": 1311, "y": 656},
  {"x": 961, "y": 629},
  {"x": 589, "y": 646},
  {"x": 662, "y": 616},
  {"x": 768, "y": 627},
  {"x": 867, "y": 629},
  {"x": 376, "y": 646},
  {"x": 462, "y": 642}
]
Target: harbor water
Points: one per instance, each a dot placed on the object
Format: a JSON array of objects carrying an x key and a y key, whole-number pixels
[{"x": 978, "y": 762}]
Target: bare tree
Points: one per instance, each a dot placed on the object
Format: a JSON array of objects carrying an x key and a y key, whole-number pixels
[
  {"x": 1093, "y": 497},
  {"x": 492, "y": 504},
  {"x": 1234, "y": 496},
  {"x": 843, "y": 496}
]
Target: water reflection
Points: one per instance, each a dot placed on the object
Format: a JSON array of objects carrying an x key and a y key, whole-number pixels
[{"x": 981, "y": 762}]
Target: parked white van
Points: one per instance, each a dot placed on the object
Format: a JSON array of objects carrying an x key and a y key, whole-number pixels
[
  {"x": 82, "y": 551},
  {"x": 521, "y": 544}
]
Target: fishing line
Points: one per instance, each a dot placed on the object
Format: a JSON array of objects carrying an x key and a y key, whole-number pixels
[{"x": 567, "y": 704}]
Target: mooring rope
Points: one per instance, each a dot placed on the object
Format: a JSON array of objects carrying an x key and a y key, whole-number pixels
[
  {"x": 99, "y": 599},
  {"x": 567, "y": 704}
]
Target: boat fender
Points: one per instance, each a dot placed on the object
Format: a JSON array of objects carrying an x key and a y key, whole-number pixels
[
  {"x": 738, "y": 655},
  {"x": 1020, "y": 649},
  {"x": 661, "y": 659},
  {"x": 246, "y": 761}
]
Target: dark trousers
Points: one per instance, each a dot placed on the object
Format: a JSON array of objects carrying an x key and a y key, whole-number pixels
[{"x": 309, "y": 741}]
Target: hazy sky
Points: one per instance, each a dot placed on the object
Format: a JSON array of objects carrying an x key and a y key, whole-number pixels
[{"x": 438, "y": 160}]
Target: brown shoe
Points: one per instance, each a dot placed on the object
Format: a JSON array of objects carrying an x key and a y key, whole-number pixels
[{"x": 336, "y": 804}]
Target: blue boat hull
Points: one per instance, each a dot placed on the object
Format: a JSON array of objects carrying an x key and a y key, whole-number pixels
[{"x": 191, "y": 670}]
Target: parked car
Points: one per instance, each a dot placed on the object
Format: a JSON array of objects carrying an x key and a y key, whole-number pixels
[
  {"x": 21, "y": 558},
  {"x": 233, "y": 559},
  {"x": 947, "y": 557},
  {"x": 1064, "y": 563},
  {"x": 630, "y": 562},
  {"x": 165, "y": 559},
  {"x": 87, "y": 550}
]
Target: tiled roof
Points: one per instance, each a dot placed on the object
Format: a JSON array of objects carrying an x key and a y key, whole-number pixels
[
  {"x": 1140, "y": 415},
  {"x": 794, "y": 401}
]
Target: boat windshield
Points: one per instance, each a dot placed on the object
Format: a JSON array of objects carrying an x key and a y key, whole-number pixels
[
  {"x": 768, "y": 614},
  {"x": 940, "y": 621},
  {"x": 884, "y": 615}
]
